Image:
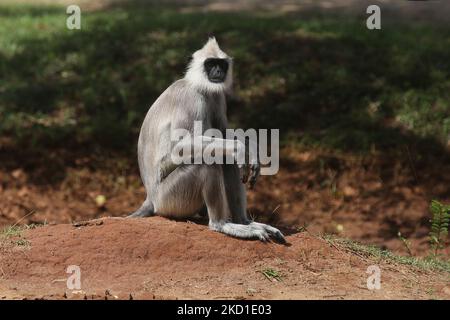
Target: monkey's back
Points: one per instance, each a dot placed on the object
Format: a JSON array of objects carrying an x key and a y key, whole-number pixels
[{"x": 176, "y": 107}]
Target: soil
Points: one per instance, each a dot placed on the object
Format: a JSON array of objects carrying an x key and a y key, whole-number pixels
[
  {"x": 157, "y": 258},
  {"x": 368, "y": 199}
]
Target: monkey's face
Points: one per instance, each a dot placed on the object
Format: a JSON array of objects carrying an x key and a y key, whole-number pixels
[
  {"x": 210, "y": 69},
  {"x": 216, "y": 69}
]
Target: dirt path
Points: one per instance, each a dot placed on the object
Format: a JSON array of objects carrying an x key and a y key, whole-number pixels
[{"x": 156, "y": 258}]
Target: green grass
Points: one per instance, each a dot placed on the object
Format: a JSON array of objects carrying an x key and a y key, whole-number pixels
[
  {"x": 16, "y": 230},
  {"x": 272, "y": 274},
  {"x": 325, "y": 81},
  {"x": 372, "y": 252},
  {"x": 11, "y": 231}
]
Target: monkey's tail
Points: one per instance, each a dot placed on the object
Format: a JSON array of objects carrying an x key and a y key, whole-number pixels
[{"x": 146, "y": 210}]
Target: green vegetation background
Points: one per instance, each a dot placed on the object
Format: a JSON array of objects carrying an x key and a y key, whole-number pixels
[{"x": 325, "y": 81}]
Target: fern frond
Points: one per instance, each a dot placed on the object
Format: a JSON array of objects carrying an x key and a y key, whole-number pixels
[{"x": 440, "y": 219}]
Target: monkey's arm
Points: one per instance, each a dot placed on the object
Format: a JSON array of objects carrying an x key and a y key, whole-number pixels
[
  {"x": 224, "y": 147},
  {"x": 207, "y": 144},
  {"x": 221, "y": 147}
]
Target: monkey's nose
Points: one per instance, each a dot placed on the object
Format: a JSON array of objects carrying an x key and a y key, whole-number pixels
[{"x": 217, "y": 74}]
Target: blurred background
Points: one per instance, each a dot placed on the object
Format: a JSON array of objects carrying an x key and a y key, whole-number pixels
[{"x": 364, "y": 115}]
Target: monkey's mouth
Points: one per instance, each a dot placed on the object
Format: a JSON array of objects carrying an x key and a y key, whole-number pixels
[{"x": 217, "y": 80}]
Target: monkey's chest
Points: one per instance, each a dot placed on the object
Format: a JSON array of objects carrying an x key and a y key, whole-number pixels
[
  {"x": 213, "y": 123},
  {"x": 213, "y": 115}
]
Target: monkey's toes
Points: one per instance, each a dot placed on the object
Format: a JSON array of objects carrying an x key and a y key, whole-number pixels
[
  {"x": 278, "y": 236},
  {"x": 262, "y": 235},
  {"x": 273, "y": 232}
]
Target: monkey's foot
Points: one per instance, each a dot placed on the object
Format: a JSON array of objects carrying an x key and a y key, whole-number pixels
[
  {"x": 273, "y": 232},
  {"x": 253, "y": 230},
  {"x": 146, "y": 210}
]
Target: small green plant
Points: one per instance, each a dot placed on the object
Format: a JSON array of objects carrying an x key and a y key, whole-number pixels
[
  {"x": 272, "y": 274},
  {"x": 439, "y": 225},
  {"x": 406, "y": 243}
]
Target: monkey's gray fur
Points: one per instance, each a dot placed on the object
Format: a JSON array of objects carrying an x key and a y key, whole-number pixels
[{"x": 182, "y": 191}]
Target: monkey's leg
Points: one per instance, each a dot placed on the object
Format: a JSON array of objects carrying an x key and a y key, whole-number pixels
[
  {"x": 146, "y": 210},
  {"x": 225, "y": 199},
  {"x": 179, "y": 194},
  {"x": 237, "y": 198}
]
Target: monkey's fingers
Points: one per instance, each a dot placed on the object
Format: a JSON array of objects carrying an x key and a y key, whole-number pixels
[
  {"x": 245, "y": 173},
  {"x": 255, "y": 170}
]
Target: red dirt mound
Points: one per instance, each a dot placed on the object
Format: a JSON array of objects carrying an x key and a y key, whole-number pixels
[{"x": 156, "y": 258}]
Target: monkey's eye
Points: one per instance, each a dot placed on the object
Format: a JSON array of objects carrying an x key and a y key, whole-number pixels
[{"x": 216, "y": 69}]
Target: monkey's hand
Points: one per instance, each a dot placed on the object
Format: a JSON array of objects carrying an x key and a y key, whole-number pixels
[
  {"x": 166, "y": 167},
  {"x": 250, "y": 174},
  {"x": 255, "y": 170},
  {"x": 252, "y": 169},
  {"x": 249, "y": 170}
]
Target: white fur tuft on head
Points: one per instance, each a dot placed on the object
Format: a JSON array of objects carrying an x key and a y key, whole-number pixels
[{"x": 196, "y": 75}]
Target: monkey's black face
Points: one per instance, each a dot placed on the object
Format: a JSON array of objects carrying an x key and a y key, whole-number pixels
[{"x": 216, "y": 69}]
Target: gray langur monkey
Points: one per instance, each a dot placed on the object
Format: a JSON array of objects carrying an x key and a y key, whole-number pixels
[{"x": 183, "y": 190}]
